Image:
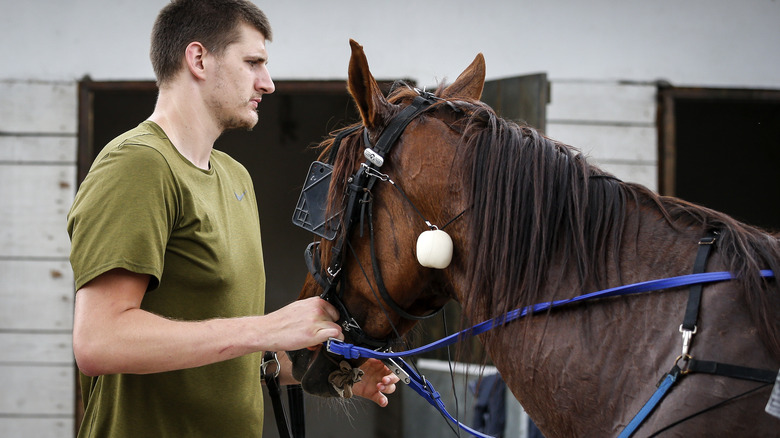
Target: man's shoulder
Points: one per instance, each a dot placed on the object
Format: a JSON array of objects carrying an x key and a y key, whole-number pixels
[
  {"x": 146, "y": 144},
  {"x": 145, "y": 134}
]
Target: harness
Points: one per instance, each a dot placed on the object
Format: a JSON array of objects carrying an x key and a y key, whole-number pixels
[
  {"x": 358, "y": 204},
  {"x": 688, "y": 328},
  {"x": 696, "y": 280}
]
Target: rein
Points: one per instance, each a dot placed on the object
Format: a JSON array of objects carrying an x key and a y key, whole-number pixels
[
  {"x": 351, "y": 351},
  {"x": 696, "y": 280}
]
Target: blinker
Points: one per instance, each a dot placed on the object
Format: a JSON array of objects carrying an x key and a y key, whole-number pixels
[{"x": 311, "y": 211}]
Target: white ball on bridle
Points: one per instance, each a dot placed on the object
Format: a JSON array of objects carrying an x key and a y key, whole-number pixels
[{"x": 434, "y": 249}]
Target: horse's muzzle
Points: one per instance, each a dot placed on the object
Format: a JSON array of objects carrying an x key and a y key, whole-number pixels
[{"x": 324, "y": 374}]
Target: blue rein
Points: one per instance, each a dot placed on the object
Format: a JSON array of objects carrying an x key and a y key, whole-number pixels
[{"x": 423, "y": 387}]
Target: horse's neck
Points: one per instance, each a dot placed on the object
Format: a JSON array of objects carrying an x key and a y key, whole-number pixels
[{"x": 558, "y": 362}]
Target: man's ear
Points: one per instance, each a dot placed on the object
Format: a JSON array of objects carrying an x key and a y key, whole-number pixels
[{"x": 194, "y": 56}]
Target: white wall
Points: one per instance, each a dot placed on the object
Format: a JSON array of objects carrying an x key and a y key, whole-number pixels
[
  {"x": 37, "y": 184},
  {"x": 691, "y": 42},
  {"x": 601, "y": 56}
]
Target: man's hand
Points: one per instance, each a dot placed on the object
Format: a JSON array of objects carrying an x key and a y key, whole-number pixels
[
  {"x": 377, "y": 381},
  {"x": 300, "y": 324}
]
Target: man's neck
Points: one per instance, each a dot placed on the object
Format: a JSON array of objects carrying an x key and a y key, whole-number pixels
[{"x": 186, "y": 121}]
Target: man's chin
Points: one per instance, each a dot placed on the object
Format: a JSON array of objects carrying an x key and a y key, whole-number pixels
[{"x": 246, "y": 124}]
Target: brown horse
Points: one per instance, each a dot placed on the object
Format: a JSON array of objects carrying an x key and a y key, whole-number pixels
[{"x": 532, "y": 221}]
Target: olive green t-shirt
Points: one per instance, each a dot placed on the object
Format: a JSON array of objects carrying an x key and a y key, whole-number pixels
[{"x": 145, "y": 208}]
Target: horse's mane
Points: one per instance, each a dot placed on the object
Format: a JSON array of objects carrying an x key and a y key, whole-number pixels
[
  {"x": 540, "y": 208},
  {"x": 543, "y": 208}
]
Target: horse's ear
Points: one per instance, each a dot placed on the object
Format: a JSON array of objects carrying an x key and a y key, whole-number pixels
[
  {"x": 470, "y": 83},
  {"x": 363, "y": 87}
]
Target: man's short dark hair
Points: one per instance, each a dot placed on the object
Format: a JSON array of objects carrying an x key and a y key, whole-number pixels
[{"x": 213, "y": 23}]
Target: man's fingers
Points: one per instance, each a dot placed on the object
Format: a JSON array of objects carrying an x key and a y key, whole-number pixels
[
  {"x": 332, "y": 331},
  {"x": 328, "y": 308}
]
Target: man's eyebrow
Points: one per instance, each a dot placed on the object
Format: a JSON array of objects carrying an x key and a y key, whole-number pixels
[{"x": 259, "y": 58}]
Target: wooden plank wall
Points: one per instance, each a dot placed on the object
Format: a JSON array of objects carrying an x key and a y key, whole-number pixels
[
  {"x": 37, "y": 184},
  {"x": 613, "y": 123}
]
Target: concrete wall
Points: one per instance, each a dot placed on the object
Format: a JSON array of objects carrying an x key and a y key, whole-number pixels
[{"x": 602, "y": 57}]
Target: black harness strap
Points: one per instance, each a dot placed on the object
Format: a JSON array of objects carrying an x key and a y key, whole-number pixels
[
  {"x": 396, "y": 127},
  {"x": 688, "y": 327},
  {"x": 297, "y": 411},
  {"x": 312, "y": 258},
  {"x": 296, "y": 428},
  {"x": 334, "y": 150},
  {"x": 347, "y": 322},
  {"x": 694, "y": 298},
  {"x": 728, "y": 370},
  {"x": 380, "y": 283}
]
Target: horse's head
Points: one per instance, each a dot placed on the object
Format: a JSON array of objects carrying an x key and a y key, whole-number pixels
[{"x": 380, "y": 287}]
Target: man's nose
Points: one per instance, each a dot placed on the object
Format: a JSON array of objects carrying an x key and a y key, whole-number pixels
[{"x": 265, "y": 83}]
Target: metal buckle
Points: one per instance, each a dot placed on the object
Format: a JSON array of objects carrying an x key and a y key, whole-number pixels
[
  {"x": 709, "y": 240},
  {"x": 328, "y": 343},
  {"x": 264, "y": 366}
]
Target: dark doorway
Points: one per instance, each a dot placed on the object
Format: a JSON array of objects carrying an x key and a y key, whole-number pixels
[{"x": 721, "y": 148}]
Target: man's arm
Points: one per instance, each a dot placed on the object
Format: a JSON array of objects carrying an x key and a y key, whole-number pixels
[{"x": 112, "y": 334}]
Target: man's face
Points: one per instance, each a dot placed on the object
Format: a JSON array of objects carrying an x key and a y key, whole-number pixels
[{"x": 240, "y": 80}]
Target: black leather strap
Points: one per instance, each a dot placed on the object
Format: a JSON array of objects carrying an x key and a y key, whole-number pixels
[
  {"x": 397, "y": 125},
  {"x": 294, "y": 397},
  {"x": 729, "y": 370},
  {"x": 297, "y": 411},
  {"x": 380, "y": 284},
  {"x": 694, "y": 297},
  {"x": 334, "y": 150}
]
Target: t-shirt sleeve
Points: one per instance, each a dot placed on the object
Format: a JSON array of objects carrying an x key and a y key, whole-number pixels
[{"x": 123, "y": 215}]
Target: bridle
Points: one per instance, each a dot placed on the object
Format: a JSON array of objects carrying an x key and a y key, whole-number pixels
[{"x": 357, "y": 205}]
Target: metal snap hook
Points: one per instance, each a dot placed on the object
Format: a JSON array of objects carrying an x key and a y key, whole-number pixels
[{"x": 264, "y": 366}]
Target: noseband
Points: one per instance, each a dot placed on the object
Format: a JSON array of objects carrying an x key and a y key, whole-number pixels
[{"x": 358, "y": 203}]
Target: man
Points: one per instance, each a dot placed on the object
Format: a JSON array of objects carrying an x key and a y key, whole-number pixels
[{"x": 166, "y": 252}]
